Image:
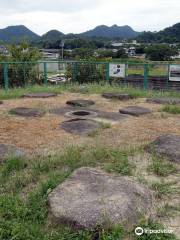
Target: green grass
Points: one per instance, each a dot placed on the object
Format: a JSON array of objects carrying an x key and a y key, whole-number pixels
[
  {"x": 161, "y": 167},
  {"x": 168, "y": 210},
  {"x": 173, "y": 109},
  {"x": 13, "y": 164},
  {"x": 120, "y": 164},
  {"x": 86, "y": 89},
  {"x": 154, "y": 225},
  {"x": 164, "y": 188},
  {"x": 25, "y": 184},
  {"x": 153, "y": 71}
]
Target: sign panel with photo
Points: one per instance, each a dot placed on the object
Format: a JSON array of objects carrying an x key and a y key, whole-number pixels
[
  {"x": 117, "y": 70},
  {"x": 174, "y": 73}
]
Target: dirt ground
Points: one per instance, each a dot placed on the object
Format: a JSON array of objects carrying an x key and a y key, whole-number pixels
[{"x": 43, "y": 135}]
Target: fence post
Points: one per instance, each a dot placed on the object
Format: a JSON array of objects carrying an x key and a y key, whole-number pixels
[
  {"x": 74, "y": 71},
  {"x": 107, "y": 72},
  {"x": 24, "y": 75},
  {"x": 45, "y": 73},
  {"x": 146, "y": 69},
  {"x": 167, "y": 82},
  {"x": 126, "y": 74},
  {"x": 6, "y": 80}
]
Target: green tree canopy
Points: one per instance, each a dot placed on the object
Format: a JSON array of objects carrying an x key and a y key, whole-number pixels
[
  {"x": 160, "y": 52},
  {"x": 23, "y": 53}
]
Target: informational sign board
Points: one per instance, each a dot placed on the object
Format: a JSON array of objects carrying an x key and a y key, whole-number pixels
[
  {"x": 174, "y": 73},
  {"x": 117, "y": 70}
]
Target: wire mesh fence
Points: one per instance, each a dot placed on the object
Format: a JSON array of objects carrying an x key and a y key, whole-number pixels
[{"x": 147, "y": 76}]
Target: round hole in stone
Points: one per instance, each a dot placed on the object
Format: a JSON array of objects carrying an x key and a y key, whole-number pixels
[{"x": 81, "y": 113}]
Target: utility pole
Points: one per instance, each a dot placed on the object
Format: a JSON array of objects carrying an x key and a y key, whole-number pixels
[{"x": 61, "y": 49}]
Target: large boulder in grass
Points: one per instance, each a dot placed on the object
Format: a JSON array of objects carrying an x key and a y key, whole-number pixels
[
  {"x": 135, "y": 111},
  {"x": 119, "y": 96},
  {"x": 166, "y": 146},
  {"x": 39, "y": 95},
  {"x": 91, "y": 197},
  {"x": 80, "y": 103},
  {"x": 6, "y": 150},
  {"x": 164, "y": 100}
]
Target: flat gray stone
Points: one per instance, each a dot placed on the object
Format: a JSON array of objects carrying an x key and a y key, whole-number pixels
[
  {"x": 80, "y": 126},
  {"x": 6, "y": 150},
  {"x": 61, "y": 110},
  {"x": 27, "y": 112},
  {"x": 91, "y": 197},
  {"x": 39, "y": 95},
  {"x": 114, "y": 116},
  {"x": 119, "y": 96},
  {"x": 164, "y": 100},
  {"x": 166, "y": 146},
  {"x": 80, "y": 103},
  {"x": 135, "y": 111}
]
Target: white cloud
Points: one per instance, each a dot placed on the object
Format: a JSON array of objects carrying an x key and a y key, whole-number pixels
[{"x": 80, "y": 15}]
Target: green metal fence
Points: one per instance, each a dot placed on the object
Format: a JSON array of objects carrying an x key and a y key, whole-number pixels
[{"x": 22, "y": 74}]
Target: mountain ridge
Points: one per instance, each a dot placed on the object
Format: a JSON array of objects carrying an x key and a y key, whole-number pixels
[
  {"x": 14, "y": 34},
  {"x": 17, "y": 32},
  {"x": 113, "y": 31}
]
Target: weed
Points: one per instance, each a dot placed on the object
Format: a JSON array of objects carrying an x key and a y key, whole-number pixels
[
  {"x": 173, "y": 109},
  {"x": 120, "y": 163},
  {"x": 13, "y": 164},
  {"x": 154, "y": 225},
  {"x": 167, "y": 210},
  {"x": 103, "y": 125},
  {"x": 163, "y": 188},
  {"x": 161, "y": 167}
]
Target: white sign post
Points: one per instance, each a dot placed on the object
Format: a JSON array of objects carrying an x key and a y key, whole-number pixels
[
  {"x": 117, "y": 70},
  {"x": 174, "y": 73}
]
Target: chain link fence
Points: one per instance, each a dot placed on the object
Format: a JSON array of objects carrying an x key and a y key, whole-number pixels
[{"x": 147, "y": 76}]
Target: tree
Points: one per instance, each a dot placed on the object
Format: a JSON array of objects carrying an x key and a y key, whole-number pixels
[
  {"x": 140, "y": 50},
  {"x": 121, "y": 53},
  {"x": 160, "y": 52},
  {"x": 24, "y": 69},
  {"x": 104, "y": 53},
  {"x": 23, "y": 53},
  {"x": 83, "y": 53}
]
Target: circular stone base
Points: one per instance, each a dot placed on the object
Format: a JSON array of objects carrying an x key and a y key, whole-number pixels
[
  {"x": 27, "y": 112},
  {"x": 39, "y": 95},
  {"x": 80, "y": 126},
  {"x": 81, "y": 114},
  {"x": 167, "y": 146},
  {"x": 6, "y": 150},
  {"x": 80, "y": 103},
  {"x": 164, "y": 100},
  {"x": 135, "y": 111},
  {"x": 119, "y": 96}
]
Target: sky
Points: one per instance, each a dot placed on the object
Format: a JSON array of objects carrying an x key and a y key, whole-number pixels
[{"x": 76, "y": 16}]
